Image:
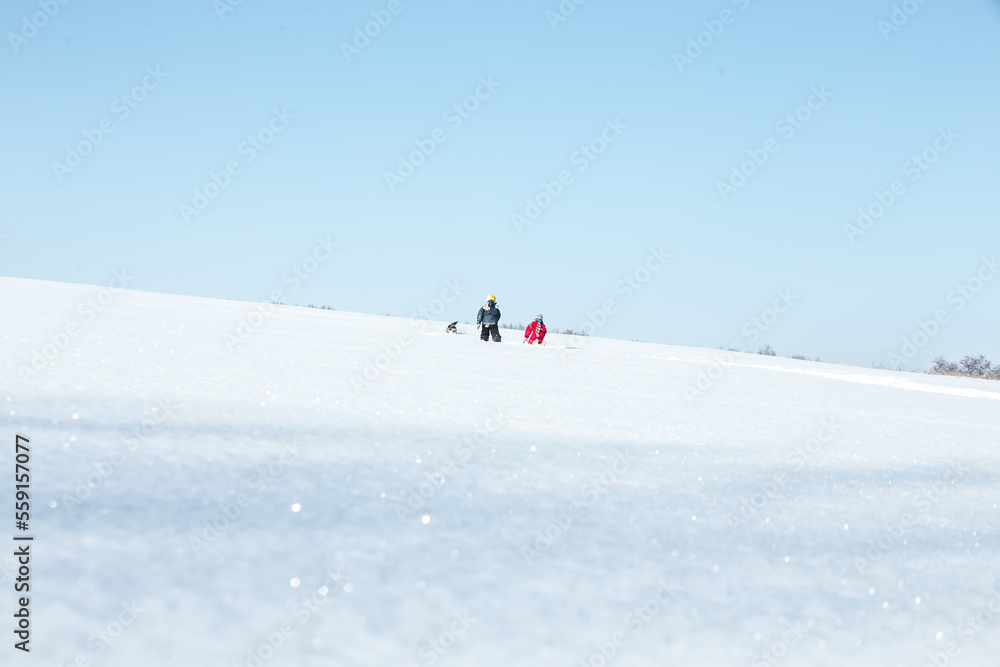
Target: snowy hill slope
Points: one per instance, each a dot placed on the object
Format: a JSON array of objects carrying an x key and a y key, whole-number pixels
[{"x": 344, "y": 489}]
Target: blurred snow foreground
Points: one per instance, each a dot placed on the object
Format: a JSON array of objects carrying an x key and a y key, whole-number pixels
[{"x": 343, "y": 489}]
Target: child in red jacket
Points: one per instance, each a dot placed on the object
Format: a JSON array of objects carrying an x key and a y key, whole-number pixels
[{"x": 535, "y": 333}]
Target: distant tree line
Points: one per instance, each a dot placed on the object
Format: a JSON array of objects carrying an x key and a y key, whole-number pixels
[
  {"x": 279, "y": 302},
  {"x": 521, "y": 327},
  {"x": 767, "y": 351},
  {"x": 970, "y": 366}
]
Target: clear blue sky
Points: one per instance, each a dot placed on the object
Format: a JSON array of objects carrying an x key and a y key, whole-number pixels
[{"x": 655, "y": 185}]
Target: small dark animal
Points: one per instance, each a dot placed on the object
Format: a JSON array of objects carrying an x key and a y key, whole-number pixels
[{"x": 452, "y": 328}]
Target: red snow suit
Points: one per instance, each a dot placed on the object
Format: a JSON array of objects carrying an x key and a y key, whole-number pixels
[{"x": 535, "y": 333}]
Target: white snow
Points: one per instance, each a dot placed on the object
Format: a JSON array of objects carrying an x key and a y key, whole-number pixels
[{"x": 733, "y": 496}]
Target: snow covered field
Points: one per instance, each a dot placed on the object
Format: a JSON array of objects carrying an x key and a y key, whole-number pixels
[{"x": 343, "y": 489}]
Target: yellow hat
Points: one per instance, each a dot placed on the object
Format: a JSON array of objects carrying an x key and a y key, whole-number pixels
[{"x": 491, "y": 298}]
